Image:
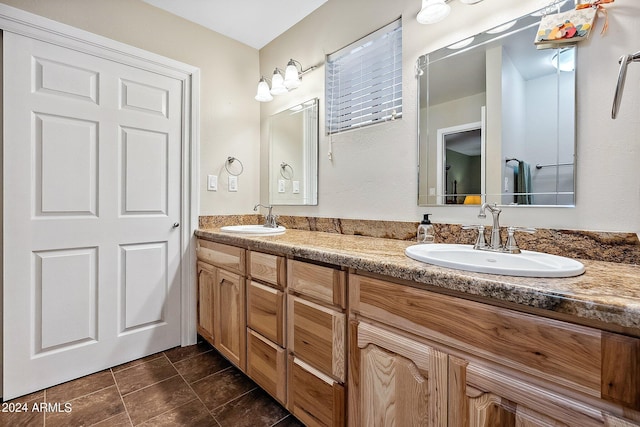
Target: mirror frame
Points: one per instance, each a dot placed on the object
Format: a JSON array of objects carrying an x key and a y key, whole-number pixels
[{"x": 524, "y": 23}]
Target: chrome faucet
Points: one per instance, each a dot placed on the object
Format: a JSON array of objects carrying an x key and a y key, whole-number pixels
[
  {"x": 496, "y": 241},
  {"x": 270, "y": 218},
  {"x": 511, "y": 246}
]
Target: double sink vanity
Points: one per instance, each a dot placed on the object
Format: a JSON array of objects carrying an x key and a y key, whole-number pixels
[
  {"x": 349, "y": 330},
  {"x": 366, "y": 328}
]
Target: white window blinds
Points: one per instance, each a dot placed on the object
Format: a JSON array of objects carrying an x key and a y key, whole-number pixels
[{"x": 364, "y": 81}]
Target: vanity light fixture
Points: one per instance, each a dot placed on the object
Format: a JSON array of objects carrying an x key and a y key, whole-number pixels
[
  {"x": 502, "y": 28},
  {"x": 461, "y": 44},
  {"x": 280, "y": 84},
  {"x": 277, "y": 83},
  {"x": 263, "y": 95},
  {"x": 433, "y": 11}
]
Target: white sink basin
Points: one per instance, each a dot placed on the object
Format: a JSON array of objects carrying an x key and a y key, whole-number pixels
[
  {"x": 253, "y": 229},
  {"x": 464, "y": 257}
]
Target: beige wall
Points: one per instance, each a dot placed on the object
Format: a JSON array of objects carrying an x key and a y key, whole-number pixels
[
  {"x": 373, "y": 172},
  {"x": 229, "y": 123}
]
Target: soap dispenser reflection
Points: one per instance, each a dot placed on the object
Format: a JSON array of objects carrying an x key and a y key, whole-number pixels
[{"x": 425, "y": 231}]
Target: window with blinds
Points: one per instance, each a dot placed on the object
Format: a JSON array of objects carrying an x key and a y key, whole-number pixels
[{"x": 364, "y": 81}]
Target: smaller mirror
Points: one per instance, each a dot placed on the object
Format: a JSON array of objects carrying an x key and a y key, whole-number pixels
[{"x": 293, "y": 155}]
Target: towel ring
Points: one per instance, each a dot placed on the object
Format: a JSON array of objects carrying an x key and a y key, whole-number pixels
[
  {"x": 283, "y": 170},
  {"x": 229, "y": 162}
]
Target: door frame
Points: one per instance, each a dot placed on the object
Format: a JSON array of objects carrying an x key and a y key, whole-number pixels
[{"x": 37, "y": 27}]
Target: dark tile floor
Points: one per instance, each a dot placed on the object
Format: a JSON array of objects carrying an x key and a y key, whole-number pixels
[{"x": 189, "y": 386}]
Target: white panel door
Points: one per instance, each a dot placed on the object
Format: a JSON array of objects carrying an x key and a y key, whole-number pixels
[{"x": 92, "y": 202}]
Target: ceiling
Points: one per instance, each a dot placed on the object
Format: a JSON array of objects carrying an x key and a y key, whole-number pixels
[{"x": 252, "y": 22}]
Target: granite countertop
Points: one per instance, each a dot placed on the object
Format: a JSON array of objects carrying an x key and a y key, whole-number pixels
[{"x": 607, "y": 294}]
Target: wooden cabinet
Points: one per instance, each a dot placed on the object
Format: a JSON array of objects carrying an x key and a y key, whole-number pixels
[
  {"x": 402, "y": 381},
  {"x": 496, "y": 367},
  {"x": 229, "y": 319},
  {"x": 317, "y": 336},
  {"x": 266, "y": 365},
  {"x": 324, "y": 284},
  {"x": 268, "y": 268},
  {"x": 317, "y": 343},
  {"x": 266, "y": 332},
  {"x": 487, "y": 396},
  {"x": 221, "y": 299},
  {"x": 205, "y": 312},
  {"x": 314, "y": 398},
  {"x": 230, "y": 258},
  {"x": 412, "y": 357},
  {"x": 265, "y": 311}
]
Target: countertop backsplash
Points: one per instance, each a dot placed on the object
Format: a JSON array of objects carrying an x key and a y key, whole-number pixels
[{"x": 617, "y": 247}]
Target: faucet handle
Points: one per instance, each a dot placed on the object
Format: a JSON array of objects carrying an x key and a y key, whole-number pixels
[
  {"x": 512, "y": 246},
  {"x": 529, "y": 230},
  {"x": 480, "y": 241}
]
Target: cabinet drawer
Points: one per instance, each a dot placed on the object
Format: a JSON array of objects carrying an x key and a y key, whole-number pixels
[
  {"x": 224, "y": 256},
  {"x": 265, "y": 311},
  {"x": 314, "y": 398},
  {"x": 266, "y": 365},
  {"x": 317, "y": 336},
  {"x": 324, "y": 283},
  {"x": 559, "y": 352},
  {"x": 267, "y": 268}
]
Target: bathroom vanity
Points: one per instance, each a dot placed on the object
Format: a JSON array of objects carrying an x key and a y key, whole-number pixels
[{"x": 347, "y": 330}]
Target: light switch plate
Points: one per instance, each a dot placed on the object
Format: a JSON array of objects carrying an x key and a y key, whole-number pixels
[
  {"x": 212, "y": 182},
  {"x": 281, "y": 186},
  {"x": 296, "y": 187},
  {"x": 233, "y": 183}
]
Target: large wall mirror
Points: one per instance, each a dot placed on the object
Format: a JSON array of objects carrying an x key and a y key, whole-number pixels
[
  {"x": 497, "y": 120},
  {"x": 293, "y": 155}
]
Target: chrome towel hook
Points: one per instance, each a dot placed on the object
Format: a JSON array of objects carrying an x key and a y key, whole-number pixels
[{"x": 624, "y": 61}]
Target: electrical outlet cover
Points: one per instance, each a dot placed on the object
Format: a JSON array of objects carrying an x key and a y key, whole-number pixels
[
  {"x": 233, "y": 183},
  {"x": 212, "y": 183}
]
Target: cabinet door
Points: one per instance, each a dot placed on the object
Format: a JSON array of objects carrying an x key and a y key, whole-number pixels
[
  {"x": 229, "y": 325},
  {"x": 401, "y": 382},
  {"x": 266, "y": 365},
  {"x": 317, "y": 336},
  {"x": 485, "y": 396},
  {"x": 314, "y": 398},
  {"x": 206, "y": 285}
]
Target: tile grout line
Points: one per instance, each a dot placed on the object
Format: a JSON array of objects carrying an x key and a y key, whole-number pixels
[
  {"x": 150, "y": 385},
  {"x": 191, "y": 388},
  {"x": 136, "y": 365},
  {"x": 78, "y": 397},
  {"x": 229, "y": 401},
  {"x": 236, "y": 398},
  {"x": 126, "y": 411},
  {"x": 190, "y": 357},
  {"x": 282, "y": 419}
]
